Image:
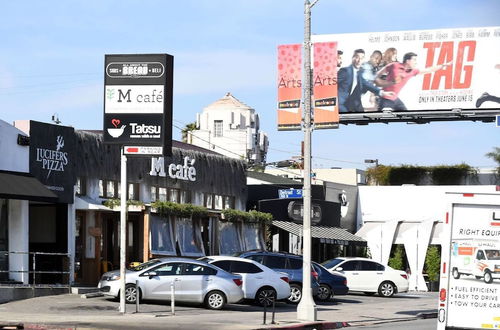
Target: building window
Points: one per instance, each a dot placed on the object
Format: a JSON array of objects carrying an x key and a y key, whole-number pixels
[
  {"x": 109, "y": 189},
  {"x": 185, "y": 196},
  {"x": 154, "y": 193},
  {"x": 228, "y": 202},
  {"x": 81, "y": 185},
  {"x": 133, "y": 191},
  {"x": 217, "y": 128},
  {"x": 174, "y": 195},
  {"x": 218, "y": 202},
  {"x": 162, "y": 194},
  {"x": 209, "y": 201}
]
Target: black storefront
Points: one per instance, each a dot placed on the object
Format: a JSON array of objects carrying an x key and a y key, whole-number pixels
[{"x": 329, "y": 240}]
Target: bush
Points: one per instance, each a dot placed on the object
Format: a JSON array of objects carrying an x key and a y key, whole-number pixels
[
  {"x": 397, "y": 259},
  {"x": 433, "y": 263}
]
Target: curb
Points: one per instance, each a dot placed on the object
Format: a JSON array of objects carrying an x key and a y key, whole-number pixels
[{"x": 311, "y": 326}]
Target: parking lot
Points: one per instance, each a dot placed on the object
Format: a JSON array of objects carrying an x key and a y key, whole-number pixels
[{"x": 71, "y": 311}]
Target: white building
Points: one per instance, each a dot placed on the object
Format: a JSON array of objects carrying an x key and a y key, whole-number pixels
[
  {"x": 230, "y": 127},
  {"x": 350, "y": 176},
  {"x": 409, "y": 215}
]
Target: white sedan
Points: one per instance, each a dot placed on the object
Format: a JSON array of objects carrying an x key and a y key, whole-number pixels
[
  {"x": 260, "y": 283},
  {"x": 368, "y": 276}
]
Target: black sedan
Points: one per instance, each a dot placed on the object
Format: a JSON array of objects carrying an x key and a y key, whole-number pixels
[{"x": 330, "y": 284}]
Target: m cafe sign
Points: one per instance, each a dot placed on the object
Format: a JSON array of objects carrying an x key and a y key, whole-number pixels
[{"x": 185, "y": 171}]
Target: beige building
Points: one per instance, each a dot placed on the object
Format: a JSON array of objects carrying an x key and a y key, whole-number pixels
[{"x": 349, "y": 176}]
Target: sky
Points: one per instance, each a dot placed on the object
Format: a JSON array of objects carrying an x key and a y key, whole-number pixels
[{"x": 52, "y": 62}]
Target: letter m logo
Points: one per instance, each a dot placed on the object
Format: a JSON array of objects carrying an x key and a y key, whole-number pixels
[
  {"x": 157, "y": 167},
  {"x": 125, "y": 96}
]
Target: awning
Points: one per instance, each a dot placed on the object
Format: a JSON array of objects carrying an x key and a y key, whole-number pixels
[
  {"x": 331, "y": 235},
  {"x": 87, "y": 203},
  {"x": 23, "y": 186}
]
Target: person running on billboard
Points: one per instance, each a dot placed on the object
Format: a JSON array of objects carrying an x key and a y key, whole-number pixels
[
  {"x": 398, "y": 75},
  {"x": 351, "y": 85},
  {"x": 390, "y": 56},
  {"x": 370, "y": 69},
  {"x": 485, "y": 97}
]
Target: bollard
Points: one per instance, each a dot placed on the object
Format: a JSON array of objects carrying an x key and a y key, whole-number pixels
[
  {"x": 274, "y": 309},
  {"x": 137, "y": 296},
  {"x": 172, "y": 297},
  {"x": 265, "y": 312}
]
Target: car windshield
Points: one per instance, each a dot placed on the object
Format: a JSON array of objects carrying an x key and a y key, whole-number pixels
[
  {"x": 145, "y": 265},
  {"x": 493, "y": 254},
  {"x": 331, "y": 263}
]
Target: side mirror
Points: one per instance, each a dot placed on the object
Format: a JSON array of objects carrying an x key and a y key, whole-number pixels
[
  {"x": 149, "y": 274},
  {"x": 339, "y": 269}
]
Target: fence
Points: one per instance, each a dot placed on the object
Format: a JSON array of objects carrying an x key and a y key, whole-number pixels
[{"x": 36, "y": 272}]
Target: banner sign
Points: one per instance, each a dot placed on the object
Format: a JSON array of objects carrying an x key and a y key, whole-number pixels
[
  {"x": 418, "y": 70},
  {"x": 289, "y": 87},
  {"x": 326, "y": 114},
  {"x": 52, "y": 158},
  {"x": 138, "y": 100}
]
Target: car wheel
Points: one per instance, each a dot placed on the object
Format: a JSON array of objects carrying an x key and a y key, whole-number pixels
[
  {"x": 455, "y": 273},
  {"x": 265, "y": 296},
  {"x": 487, "y": 277},
  {"x": 369, "y": 293},
  {"x": 295, "y": 293},
  {"x": 215, "y": 300},
  {"x": 131, "y": 294},
  {"x": 386, "y": 289},
  {"x": 324, "y": 292}
]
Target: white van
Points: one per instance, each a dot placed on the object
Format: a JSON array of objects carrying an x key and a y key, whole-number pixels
[{"x": 480, "y": 258}]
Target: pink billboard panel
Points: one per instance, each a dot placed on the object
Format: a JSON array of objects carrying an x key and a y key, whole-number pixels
[
  {"x": 326, "y": 113},
  {"x": 289, "y": 87}
]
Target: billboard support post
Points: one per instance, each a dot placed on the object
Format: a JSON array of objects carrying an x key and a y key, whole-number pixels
[
  {"x": 306, "y": 310},
  {"x": 123, "y": 226}
]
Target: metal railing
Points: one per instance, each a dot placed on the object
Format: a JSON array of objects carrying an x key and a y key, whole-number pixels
[{"x": 37, "y": 272}]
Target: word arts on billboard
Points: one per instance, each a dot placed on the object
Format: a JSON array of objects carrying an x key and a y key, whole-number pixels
[
  {"x": 457, "y": 75},
  {"x": 184, "y": 171}
]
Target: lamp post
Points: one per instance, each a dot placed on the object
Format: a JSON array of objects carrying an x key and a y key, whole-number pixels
[
  {"x": 306, "y": 310},
  {"x": 372, "y": 161}
]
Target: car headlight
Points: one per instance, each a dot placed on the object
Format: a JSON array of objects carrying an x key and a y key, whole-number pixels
[{"x": 114, "y": 277}]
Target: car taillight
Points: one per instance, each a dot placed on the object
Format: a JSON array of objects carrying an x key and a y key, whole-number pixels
[
  {"x": 237, "y": 281},
  {"x": 316, "y": 276},
  {"x": 284, "y": 278},
  {"x": 404, "y": 276},
  {"x": 345, "y": 282},
  {"x": 442, "y": 295}
]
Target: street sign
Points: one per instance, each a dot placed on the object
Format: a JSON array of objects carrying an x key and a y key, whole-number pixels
[
  {"x": 289, "y": 193},
  {"x": 138, "y": 100},
  {"x": 142, "y": 150}
]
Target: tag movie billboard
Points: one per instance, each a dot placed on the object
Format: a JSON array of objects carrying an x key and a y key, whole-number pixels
[
  {"x": 442, "y": 70},
  {"x": 436, "y": 73}
]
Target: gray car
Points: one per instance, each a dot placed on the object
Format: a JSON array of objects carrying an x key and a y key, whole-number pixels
[{"x": 194, "y": 281}]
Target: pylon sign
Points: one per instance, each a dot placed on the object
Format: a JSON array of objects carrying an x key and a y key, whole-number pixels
[{"x": 138, "y": 100}]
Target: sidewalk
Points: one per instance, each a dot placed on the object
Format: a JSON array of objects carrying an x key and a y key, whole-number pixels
[{"x": 72, "y": 312}]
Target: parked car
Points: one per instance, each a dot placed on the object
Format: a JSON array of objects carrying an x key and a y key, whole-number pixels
[
  {"x": 330, "y": 284},
  {"x": 260, "y": 283},
  {"x": 369, "y": 276},
  {"x": 195, "y": 281},
  {"x": 290, "y": 264}
]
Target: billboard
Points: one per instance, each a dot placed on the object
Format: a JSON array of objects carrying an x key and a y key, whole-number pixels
[
  {"x": 424, "y": 70},
  {"x": 138, "y": 100}
]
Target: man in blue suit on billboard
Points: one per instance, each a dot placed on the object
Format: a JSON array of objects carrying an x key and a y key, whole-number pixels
[{"x": 351, "y": 85}]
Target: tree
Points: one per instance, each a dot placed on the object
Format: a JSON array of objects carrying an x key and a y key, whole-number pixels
[
  {"x": 397, "y": 259},
  {"x": 433, "y": 264},
  {"x": 495, "y": 155},
  {"x": 185, "y": 132}
]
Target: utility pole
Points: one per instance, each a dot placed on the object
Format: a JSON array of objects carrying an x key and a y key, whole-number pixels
[{"x": 306, "y": 310}]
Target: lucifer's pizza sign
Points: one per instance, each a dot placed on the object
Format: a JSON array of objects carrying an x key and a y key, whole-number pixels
[{"x": 138, "y": 100}]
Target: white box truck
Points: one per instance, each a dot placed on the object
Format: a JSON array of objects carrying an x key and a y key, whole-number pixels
[{"x": 469, "y": 295}]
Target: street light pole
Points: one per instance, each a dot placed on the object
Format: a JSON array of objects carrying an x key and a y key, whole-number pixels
[{"x": 306, "y": 310}]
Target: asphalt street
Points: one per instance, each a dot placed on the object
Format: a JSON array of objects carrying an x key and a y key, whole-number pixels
[{"x": 70, "y": 311}]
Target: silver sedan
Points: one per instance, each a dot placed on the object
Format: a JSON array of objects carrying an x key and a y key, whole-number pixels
[{"x": 192, "y": 281}]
